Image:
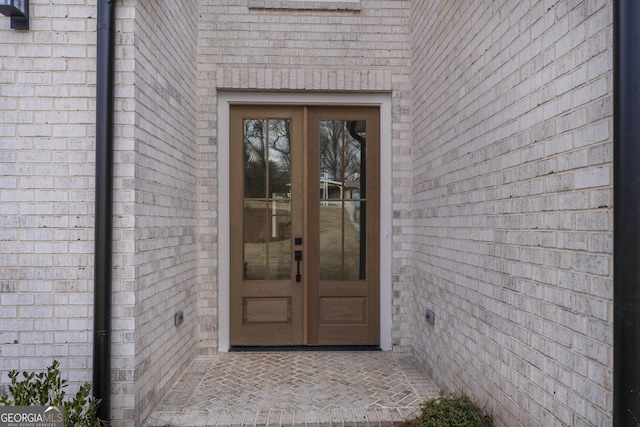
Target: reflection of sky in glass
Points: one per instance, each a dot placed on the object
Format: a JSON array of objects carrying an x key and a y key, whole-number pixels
[{"x": 278, "y": 159}]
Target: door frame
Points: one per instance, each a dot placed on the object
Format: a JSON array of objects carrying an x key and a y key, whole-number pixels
[{"x": 381, "y": 100}]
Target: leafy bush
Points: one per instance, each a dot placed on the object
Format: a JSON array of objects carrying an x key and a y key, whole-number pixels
[
  {"x": 46, "y": 389},
  {"x": 452, "y": 410}
]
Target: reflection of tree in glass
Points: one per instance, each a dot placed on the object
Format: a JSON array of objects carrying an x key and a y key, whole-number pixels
[
  {"x": 257, "y": 151},
  {"x": 254, "y": 158},
  {"x": 338, "y": 152},
  {"x": 279, "y": 156}
]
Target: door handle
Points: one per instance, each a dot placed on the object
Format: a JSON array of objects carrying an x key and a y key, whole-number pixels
[{"x": 298, "y": 258}]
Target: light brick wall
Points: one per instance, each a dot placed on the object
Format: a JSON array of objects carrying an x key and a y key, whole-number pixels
[
  {"x": 47, "y": 117},
  {"x": 47, "y": 145},
  {"x": 164, "y": 161},
  {"x": 124, "y": 349},
  {"x": 512, "y": 205},
  {"x": 275, "y": 49}
]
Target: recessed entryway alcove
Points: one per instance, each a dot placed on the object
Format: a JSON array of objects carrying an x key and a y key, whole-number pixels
[{"x": 378, "y": 101}]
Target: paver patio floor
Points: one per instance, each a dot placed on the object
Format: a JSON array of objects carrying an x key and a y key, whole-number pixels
[{"x": 296, "y": 389}]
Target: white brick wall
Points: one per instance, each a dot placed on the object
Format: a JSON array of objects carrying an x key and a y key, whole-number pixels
[
  {"x": 46, "y": 198},
  {"x": 164, "y": 234},
  {"x": 512, "y": 205},
  {"x": 47, "y": 148}
]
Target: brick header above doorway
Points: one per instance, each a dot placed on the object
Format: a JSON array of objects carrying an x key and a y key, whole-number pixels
[
  {"x": 244, "y": 78},
  {"x": 305, "y": 4}
]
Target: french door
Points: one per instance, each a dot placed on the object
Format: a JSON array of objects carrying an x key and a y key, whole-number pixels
[{"x": 304, "y": 205}]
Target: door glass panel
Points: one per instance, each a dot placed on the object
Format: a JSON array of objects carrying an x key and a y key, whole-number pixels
[
  {"x": 342, "y": 199},
  {"x": 255, "y": 158},
  {"x": 354, "y": 241},
  {"x": 280, "y": 240},
  {"x": 267, "y": 215},
  {"x": 331, "y": 144},
  {"x": 255, "y": 240},
  {"x": 330, "y": 240},
  {"x": 355, "y": 160},
  {"x": 279, "y": 158}
]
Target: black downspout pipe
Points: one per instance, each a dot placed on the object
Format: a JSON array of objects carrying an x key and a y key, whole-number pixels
[
  {"x": 104, "y": 207},
  {"x": 626, "y": 213}
]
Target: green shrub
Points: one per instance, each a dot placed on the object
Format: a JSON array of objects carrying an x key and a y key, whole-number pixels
[
  {"x": 452, "y": 410},
  {"x": 46, "y": 389}
]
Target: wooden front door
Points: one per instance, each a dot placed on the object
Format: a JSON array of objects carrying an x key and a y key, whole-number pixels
[{"x": 304, "y": 188}]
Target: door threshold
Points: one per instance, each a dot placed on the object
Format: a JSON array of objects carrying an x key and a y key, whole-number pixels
[{"x": 282, "y": 348}]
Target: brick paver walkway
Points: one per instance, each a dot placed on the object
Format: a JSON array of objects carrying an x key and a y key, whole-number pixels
[{"x": 321, "y": 389}]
